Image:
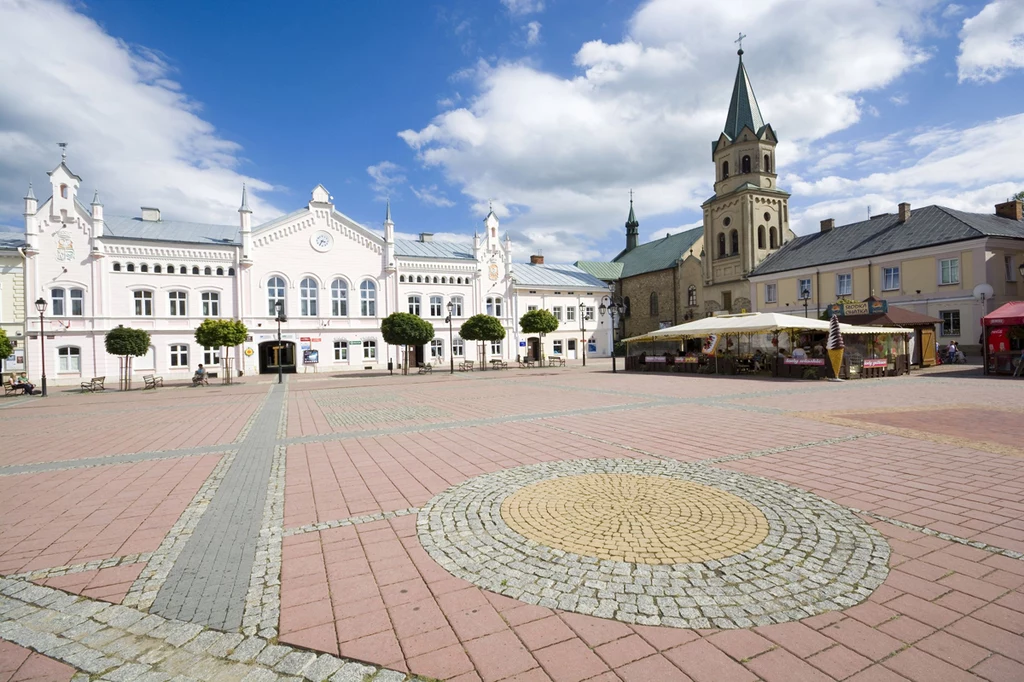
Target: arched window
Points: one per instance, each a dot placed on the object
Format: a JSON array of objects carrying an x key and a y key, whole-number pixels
[
  {"x": 368, "y": 299},
  {"x": 117, "y": 267},
  {"x": 691, "y": 295},
  {"x": 444, "y": 280},
  {"x": 208, "y": 270},
  {"x": 130, "y": 267},
  {"x": 170, "y": 269},
  {"x": 760, "y": 236},
  {"x": 231, "y": 272},
  {"x": 308, "y": 297},
  {"x": 654, "y": 303},
  {"x": 57, "y": 299},
  {"x": 721, "y": 246},
  {"x": 734, "y": 240},
  {"x": 460, "y": 281},
  {"x": 220, "y": 271},
  {"x": 339, "y": 298},
  {"x": 494, "y": 306},
  {"x": 435, "y": 279},
  {"x": 401, "y": 278},
  {"x": 725, "y": 170},
  {"x": 182, "y": 270},
  {"x": 746, "y": 164},
  {"x": 773, "y": 239},
  {"x": 419, "y": 279},
  {"x": 275, "y": 294},
  {"x": 143, "y": 268},
  {"x": 767, "y": 164},
  {"x": 414, "y": 305},
  {"x": 69, "y": 359},
  {"x": 195, "y": 269},
  {"x": 456, "y": 306},
  {"x": 158, "y": 268}
]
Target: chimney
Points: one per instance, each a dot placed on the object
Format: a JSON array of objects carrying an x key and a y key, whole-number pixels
[
  {"x": 904, "y": 212},
  {"x": 426, "y": 237},
  {"x": 828, "y": 225},
  {"x": 151, "y": 215},
  {"x": 536, "y": 260},
  {"x": 1014, "y": 210}
]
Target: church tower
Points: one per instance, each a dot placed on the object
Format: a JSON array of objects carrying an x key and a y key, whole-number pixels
[
  {"x": 747, "y": 218},
  {"x": 632, "y": 227}
]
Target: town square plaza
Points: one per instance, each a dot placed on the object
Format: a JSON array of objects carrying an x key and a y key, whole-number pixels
[{"x": 562, "y": 524}]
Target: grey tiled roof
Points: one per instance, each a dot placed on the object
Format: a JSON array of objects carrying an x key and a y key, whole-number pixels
[
  {"x": 169, "y": 230},
  {"x": 659, "y": 254},
  {"x": 417, "y": 249},
  {"x": 600, "y": 269},
  {"x": 10, "y": 238},
  {"x": 928, "y": 226},
  {"x": 555, "y": 275}
]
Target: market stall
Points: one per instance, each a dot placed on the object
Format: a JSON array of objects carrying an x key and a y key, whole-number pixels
[
  {"x": 921, "y": 328},
  {"x": 1003, "y": 342}
]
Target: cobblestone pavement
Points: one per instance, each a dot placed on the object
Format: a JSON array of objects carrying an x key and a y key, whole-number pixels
[{"x": 517, "y": 525}]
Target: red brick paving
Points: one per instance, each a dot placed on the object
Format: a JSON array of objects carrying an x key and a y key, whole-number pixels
[
  {"x": 107, "y": 584},
  {"x": 18, "y": 664}
]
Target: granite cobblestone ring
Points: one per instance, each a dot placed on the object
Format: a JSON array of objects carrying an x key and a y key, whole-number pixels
[{"x": 654, "y": 543}]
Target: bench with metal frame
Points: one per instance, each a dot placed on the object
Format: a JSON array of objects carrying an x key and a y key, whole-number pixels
[
  {"x": 466, "y": 366},
  {"x": 426, "y": 368},
  {"x": 94, "y": 384},
  {"x": 152, "y": 381}
]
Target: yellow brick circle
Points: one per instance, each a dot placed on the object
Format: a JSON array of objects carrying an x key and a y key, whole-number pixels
[{"x": 635, "y": 518}]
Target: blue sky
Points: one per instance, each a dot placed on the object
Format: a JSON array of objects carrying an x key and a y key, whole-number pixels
[{"x": 552, "y": 109}]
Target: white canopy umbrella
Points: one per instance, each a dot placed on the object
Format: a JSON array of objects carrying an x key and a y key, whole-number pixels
[{"x": 749, "y": 323}]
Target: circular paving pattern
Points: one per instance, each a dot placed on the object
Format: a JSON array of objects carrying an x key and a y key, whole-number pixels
[
  {"x": 751, "y": 551},
  {"x": 635, "y": 519}
]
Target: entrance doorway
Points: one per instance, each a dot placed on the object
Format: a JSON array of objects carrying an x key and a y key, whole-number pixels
[
  {"x": 533, "y": 343},
  {"x": 570, "y": 349},
  {"x": 271, "y": 355}
]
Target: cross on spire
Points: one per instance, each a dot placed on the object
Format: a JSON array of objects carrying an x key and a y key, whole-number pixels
[
  {"x": 63, "y": 150},
  {"x": 739, "y": 41},
  {"x": 631, "y": 196}
]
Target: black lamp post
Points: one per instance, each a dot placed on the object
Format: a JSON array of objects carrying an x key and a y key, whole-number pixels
[
  {"x": 451, "y": 337},
  {"x": 41, "y": 307},
  {"x": 583, "y": 330},
  {"x": 281, "y": 317},
  {"x": 806, "y": 295},
  {"x": 615, "y": 308}
]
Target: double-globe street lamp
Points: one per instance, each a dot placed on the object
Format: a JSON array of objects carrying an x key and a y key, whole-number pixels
[
  {"x": 41, "y": 307},
  {"x": 584, "y": 316},
  {"x": 281, "y": 317},
  {"x": 451, "y": 336},
  {"x": 613, "y": 306},
  {"x": 806, "y": 295}
]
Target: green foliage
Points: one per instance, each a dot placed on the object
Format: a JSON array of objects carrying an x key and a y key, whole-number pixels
[
  {"x": 811, "y": 373},
  {"x": 126, "y": 341},
  {"x": 217, "y": 333},
  {"x": 620, "y": 349},
  {"x": 6, "y": 347},
  {"x": 1019, "y": 196},
  {"x": 405, "y": 329},
  {"x": 482, "y": 328},
  {"x": 538, "y": 321}
]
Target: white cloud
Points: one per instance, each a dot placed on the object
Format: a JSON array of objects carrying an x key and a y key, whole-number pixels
[
  {"x": 532, "y": 33},
  {"x": 387, "y": 177},
  {"x": 561, "y": 152},
  {"x": 432, "y": 196},
  {"x": 520, "y": 8},
  {"x": 992, "y": 42},
  {"x": 900, "y": 99},
  {"x": 952, "y": 10},
  {"x": 133, "y": 133}
]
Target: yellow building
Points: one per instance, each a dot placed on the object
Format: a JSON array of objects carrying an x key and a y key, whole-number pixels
[
  {"x": 934, "y": 260},
  {"x": 12, "y": 298}
]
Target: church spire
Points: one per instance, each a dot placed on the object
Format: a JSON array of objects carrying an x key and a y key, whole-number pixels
[
  {"x": 632, "y": 227},
  {"x": 244, "y": 208},
  {"x": 743, "y": 109}
]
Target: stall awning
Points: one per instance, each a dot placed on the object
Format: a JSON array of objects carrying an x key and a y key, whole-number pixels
[
  {"x": 750, "y": 323},
  {"x": 1010, "y": 313}
]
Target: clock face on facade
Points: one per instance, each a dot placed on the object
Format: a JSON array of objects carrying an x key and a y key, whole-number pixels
[{"x": 321, "y": 241}]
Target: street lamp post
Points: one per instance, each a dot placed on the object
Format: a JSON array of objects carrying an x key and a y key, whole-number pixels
[
  {"x": 615, "y": 308},
  {"x": 806, "y": 295},
  {"x": 41, "y": 307},
  {"x": 279, "y": 305},
  {"x": 583, "y": 331},
  {"x": 451, "y": 337}
]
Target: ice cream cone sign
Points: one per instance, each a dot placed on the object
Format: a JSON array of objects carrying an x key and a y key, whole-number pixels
[{"x": 835, "y": 346}]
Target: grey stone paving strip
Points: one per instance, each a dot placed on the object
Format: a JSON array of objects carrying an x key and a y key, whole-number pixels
[
  {"x": 262, "y": 610},
  {"x": 118, "y": 643},
  {"x": 244, "y": 433},
  {"x": 14, "y": 402},
  {"x": 350, "y": 521},
  {"x": 43, "y": 573},
  {"x": 109, "y": 460},
  {"x": 144, "y": 590},
  {"x": 977, "y": 544},
  {"x": 788, "y": 448},
  {"x": 209, "y": 581}
]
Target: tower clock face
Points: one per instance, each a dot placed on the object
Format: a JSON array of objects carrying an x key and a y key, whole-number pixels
[{"x": 321, "y": 241}]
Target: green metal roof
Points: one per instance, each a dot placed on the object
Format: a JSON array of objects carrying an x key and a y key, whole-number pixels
[
  {"x": 600, "y": 269},
  {"x": 660, "y": 254}
]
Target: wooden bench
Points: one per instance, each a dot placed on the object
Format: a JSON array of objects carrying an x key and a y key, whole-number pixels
[
  {"x": 10, "y": 388},
  {"x": 200, "y": 381},
  {"x": 527, "y": 362},
  {"x": 499, "y": 364},
  {"x": 552, "y": 362},
  {"x": 152, "y": 381},
  {"x": 426, "y": 368},
  {"x": 466, "y": 366},
  {"x": 93, "y": 385}
]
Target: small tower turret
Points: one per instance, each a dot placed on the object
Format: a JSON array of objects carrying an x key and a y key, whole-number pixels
[
  {"x": 491, "y": 238},
  {"x": 389, "y": 239},
  {"x": 632, "y": 227},
  {"x": 31, "y": 206},
  {"x": 245, "y": 226},
  {"x": 97, "y": 220}
]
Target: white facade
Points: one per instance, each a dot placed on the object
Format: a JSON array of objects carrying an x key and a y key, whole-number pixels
[
  {"x": 336, "y": 278},
  {"x": 12, "y": 302}
]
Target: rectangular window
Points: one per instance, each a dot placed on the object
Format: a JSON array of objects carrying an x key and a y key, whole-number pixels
[
  {"x": 890, "y": 279},
  {"x": 369, "y": 350},
  {"x": 211, "y": 356},
  {"x": 435, "y": 306},
  {"x": 144, "y": 303},
  {"x": 57, "y": 298},
  {"x": 803, "y": 289},
  {"x": 570, "y": 314},
  {"x": 341, "y": 350},
  {"x": 495, "y": 348},
  {"x": 556, "y": 347},
  {"x": 494, "y": 306},
  {"x": 1011, "y": 273},
  {"x": 557, "y": 312},
  {"x": 179, "y": 355},
  {"x": 77, "y": 302},
  {"x": 70, "y": 359},
  {"x": 531, "y": 307},
  {"x": 458, "y": 348},
  {"x": 211, "y": 304},
  {"x": 414, "y": 305},
  {"x": 177, "y": 299},
  {"x": 590, "y": 312},
  {"x": 771, "y": 293},
  {"x": 436, "y": 349},
  {"x": 950, "y": 322},
  {"x": 844, "y": 285},
  {"x": 949, "y": 271},
  {"x": 456, "y": 306}
]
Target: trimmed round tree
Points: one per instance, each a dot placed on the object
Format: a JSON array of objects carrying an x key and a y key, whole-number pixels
[
  {"x": 222, "y": 334},
  {"x": 482, "y": 328},
  {"x": 541, "y": 322},
  {"x": 406, "y": 329},
  {"x": 127, "y": 343}
]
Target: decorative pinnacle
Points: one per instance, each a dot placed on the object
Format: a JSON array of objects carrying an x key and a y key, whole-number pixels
[
  {"x": 63, "y": 151},
  {"x": 31, "y": 194},
  {"x": 96, "y": 198},
  {"x": 244, "y": 208},
  {"x": 387, "y": 212}
]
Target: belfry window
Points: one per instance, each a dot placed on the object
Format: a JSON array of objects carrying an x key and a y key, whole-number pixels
[
  {"x": 725, "y": 170},
  {"x": 746, "y": 164}
]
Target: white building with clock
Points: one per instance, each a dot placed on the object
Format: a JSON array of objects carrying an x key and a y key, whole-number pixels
[{"x": 334, "y": 278}]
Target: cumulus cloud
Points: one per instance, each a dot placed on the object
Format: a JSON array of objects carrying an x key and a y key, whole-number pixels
[
  {"x": 520, "y": 8},
  {"x": 387, "y": 177},
  {"x": 133, "y": 133},
  {"x": 432, "y": 196},
  {"x": 992, "y": 42},
  {"x": 532, "y": 33}
]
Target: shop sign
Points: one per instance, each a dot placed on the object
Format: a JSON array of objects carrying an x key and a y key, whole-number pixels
[
  {"x": 355, "y": 342},
  {"x": 875, "y": 362},
  {"x": 655, "y": 358},
  {"x": 858, "y": 308},
  {"x": 804, "y": 361},
  {"x": 690, "y": 360}
]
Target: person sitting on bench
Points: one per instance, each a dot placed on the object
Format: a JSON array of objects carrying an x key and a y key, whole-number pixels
[
  {"x": 199, "y": 377},
  {"x": 21, "y": 381}
]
